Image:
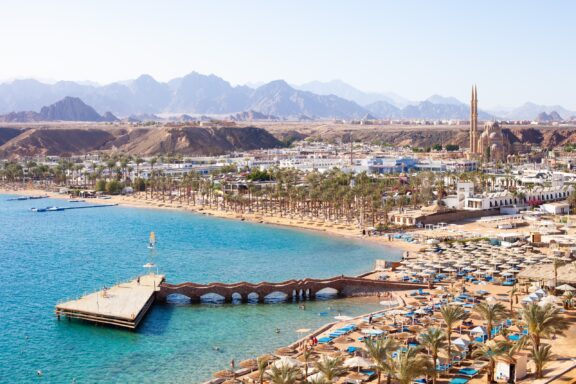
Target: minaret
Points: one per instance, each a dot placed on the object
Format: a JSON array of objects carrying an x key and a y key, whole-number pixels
[{"x": 474, "y": 121}]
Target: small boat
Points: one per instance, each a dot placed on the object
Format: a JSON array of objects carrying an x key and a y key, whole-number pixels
[
  {"x": 21, "y": 198},
  {"x": 152, "y": 241},
  {"x": 76, "y": 201},
  {"x": 38, "y": 209},
  {"x": 38, "y": 197},
  {"x": 54, "y": 209}
]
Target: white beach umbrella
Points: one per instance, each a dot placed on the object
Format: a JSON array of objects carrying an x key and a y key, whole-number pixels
[
  {"x": 358, "y": 362},
  {"x": 317, "y": 377},
  {"x": 286, "y": 361},
  {"x": 566, "y": 287},
  {"x": 396, "y": 312},
  {"x": 373, "y": 332}
]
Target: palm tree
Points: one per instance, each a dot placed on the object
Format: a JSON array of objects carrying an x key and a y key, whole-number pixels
[
  {"x": 542, "y": 322},
  {"x": 380, "y": 351},
  {"x": 512, "y": 294},
  {"x": 306, "y": 354},
  {"x": 433, "y": 341},
  {"x": 262, "y": 364},
  {"x": 410, "y": 365},
  {"x": 568, "y": 299},
  {"x": 283, "y": 374},
  {"x": 491, "y": 351},
  {"x": 541, "y": 356},
  {"x": 331, "y": 368},
  {"x": 491, "y": 313},
  {"x": 451, "y": 314}
]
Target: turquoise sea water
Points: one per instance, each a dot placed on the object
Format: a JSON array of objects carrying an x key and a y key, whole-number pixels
[{"x": 47, "y": 257}]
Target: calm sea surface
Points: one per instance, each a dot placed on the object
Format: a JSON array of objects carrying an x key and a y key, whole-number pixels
[{"x": 47, "y": 257}]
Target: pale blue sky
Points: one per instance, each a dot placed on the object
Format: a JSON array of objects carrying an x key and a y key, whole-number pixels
[{"x": 514, "y": 50}]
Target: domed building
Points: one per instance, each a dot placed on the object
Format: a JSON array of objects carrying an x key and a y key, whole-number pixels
[{"x": 491, "y": 145}]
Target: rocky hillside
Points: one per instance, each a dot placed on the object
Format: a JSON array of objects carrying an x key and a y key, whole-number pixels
[
  {"x": 547, "y": 137},
  {"x": 19, "y": 143}
]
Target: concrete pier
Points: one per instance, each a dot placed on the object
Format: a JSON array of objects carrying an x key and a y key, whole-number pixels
[{"x": 123, "y": 305}]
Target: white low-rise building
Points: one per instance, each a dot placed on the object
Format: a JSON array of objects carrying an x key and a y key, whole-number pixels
[
  {"x": 556, "y": 208},
  {"x": 536, "y": 196}
]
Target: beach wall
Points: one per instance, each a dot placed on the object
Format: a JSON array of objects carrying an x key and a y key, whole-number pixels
[{"x": 455, "y": 216}]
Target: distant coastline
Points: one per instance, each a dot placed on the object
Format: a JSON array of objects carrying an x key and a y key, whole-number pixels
[{"x": 332, "y": 229}]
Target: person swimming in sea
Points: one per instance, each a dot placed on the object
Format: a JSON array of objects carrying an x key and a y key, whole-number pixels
[{"x": 277, "y": 330}]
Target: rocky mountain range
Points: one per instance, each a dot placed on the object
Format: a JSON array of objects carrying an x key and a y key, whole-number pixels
[
  {"x": 198, "y": 94},
  {"x": 67, "y": 109},
  {"x": 189, "y": 141},
  {"x": 551, "y": 117},
  {"x": 530, "y": 111}
]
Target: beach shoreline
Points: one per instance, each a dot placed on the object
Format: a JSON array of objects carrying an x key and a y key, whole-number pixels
[{"x": 133, "y": 201}]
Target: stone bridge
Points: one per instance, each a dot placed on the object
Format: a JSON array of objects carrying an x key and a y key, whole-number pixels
[{"x": 291, "y": 289}]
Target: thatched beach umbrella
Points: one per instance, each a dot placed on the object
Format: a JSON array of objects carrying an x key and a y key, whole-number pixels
[
  {"x": 250, "y": 363},
  {"x": 224, "y": 374}
]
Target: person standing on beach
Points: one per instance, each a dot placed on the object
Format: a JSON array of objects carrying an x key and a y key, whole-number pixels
[{"x": 232, "y": 364}]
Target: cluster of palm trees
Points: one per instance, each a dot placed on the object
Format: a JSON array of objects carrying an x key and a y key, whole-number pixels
[
  {"x": 404, "y": 367},
  {"x": 332, "y": 196}
]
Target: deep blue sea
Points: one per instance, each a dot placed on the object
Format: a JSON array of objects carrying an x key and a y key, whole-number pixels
[{"x": 47, "y": 257}]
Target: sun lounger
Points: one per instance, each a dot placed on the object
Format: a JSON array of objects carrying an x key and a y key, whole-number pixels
[
  {"x": 459, "y": 380},
  {"x": 470, "y": 372},
  {"x": 351, "y": 349},
  {"x": 443, "y": 367},
  {"x": 324, "y": 340},
  {"x": 368, "y": 373}
]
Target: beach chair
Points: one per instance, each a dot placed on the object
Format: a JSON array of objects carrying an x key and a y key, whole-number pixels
[
  {"x": 459, "y": 380},
  {"x": 369, "y": 373},
  {"x": 468, "y": 372}
]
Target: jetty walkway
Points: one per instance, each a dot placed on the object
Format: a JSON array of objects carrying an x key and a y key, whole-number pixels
[
  {"x": 123, "y": 305},
  {"x": 126, "y": 304},
  {"x": 291, "y": 289}
]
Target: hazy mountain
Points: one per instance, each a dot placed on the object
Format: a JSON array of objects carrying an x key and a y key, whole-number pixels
[
  {"x": 211, "y": 95},
  {"x": 384, "y": 110},
  {"x": 428, "y": 110},
  {"x": 280, "y": 99},
  {"x": 553, "y": 116},
  {"x": 197, "y": 93},
  {"x": 346, "y": 91},
  {"x": 437, "y": 99},
  {"x": 529, "y": 111},
  {"x": 67, "y": 109}
]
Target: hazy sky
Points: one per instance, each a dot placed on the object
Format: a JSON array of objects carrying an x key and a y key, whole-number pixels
[{"x": 514, "y": 50}]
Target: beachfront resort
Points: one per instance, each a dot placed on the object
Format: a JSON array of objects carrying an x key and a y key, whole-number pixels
[{"x": 491, "y": 252}]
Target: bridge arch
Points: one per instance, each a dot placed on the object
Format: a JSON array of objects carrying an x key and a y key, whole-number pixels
[
  {"x": 212, "y": 298},
  {"x": 253, "y": 297},
  {"x": 178, "y": 299},
  {"x": 275, "y": 297},
  {"x": 237, "y": 297},
  {"x": 327, "y": 293}
]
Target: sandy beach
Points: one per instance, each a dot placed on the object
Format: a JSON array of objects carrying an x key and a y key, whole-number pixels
[{"x": 139, "y": 201}]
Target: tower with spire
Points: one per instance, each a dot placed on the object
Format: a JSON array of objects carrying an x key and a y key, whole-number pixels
[{"x": 474, "y": 122}]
